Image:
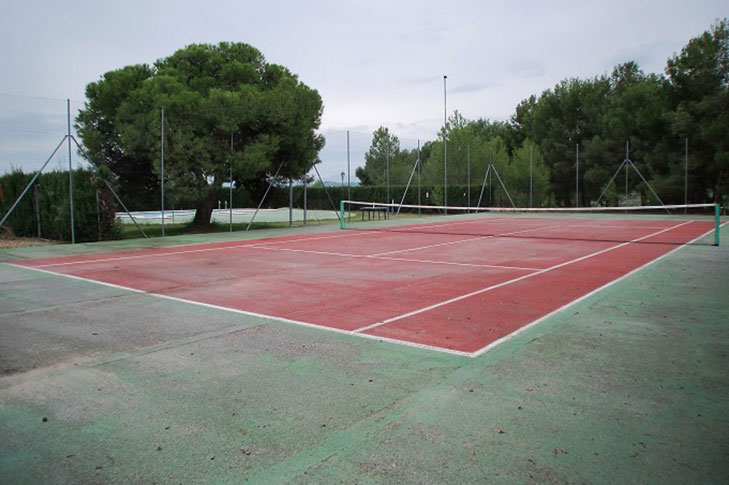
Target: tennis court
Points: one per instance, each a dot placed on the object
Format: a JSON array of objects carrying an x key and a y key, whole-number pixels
[
  {"x": 101, "y": 384},
  {"x": 459, "y": 285}
]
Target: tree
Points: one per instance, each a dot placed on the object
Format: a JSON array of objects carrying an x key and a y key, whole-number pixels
[
  {"x": 557, "y": 121},
  {"x": 654, "y": 113},
  {"x": 97, "y": 127},
  {"x": 213, "y": 96},
  {"x": 636, "y": 112},
  {"x": 363, "y": 176},
  {"x": 527, "y": 173},
  {"x": 699, "y": 82},
  {"x": 465, "y": 139},
  {"x": 382, "y": 160},
  {"x": 472, "y": 147}
]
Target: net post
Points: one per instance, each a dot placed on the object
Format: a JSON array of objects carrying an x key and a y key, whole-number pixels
[
  {"x": 341, "y": 214},
  {"x": 717, "y": 224}
]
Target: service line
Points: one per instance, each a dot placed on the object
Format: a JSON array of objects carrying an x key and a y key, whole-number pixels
[
  {"x": 241, "y": 244},
  {"x": 251, "y": 314},
  {"x": 511, "y": 281}
]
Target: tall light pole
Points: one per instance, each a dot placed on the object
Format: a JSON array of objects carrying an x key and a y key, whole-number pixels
[
  {"x": 162, "y": 166},
  {"x": 531, "y": 174},
  {"x": 70, "y": 172},
  {"x": 685, "y": 176},
  {"x": 445, "y": 146},
  {"x": 349, "y": 182},
  {"x": 343, "y": 174},
  {"x": 230, "y": 184},
  {"x": 577, "y": 175},
  {"x": 387, "y": 169}
]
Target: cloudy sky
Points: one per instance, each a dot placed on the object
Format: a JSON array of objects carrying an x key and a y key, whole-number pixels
[{"x": 374, "y": 62}]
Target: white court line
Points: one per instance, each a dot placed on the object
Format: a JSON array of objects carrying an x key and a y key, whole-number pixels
[
  {"x": 385, "y": 258},
  {"x": 357, "y": 332},
  {"x": 449, "y": 243},
  {"x": 471, "y": 265},
  {"x": 241, "y": 244},
  {"x": 252, "y": 314},
  {"x": 266, "y": 244},
  {"x": 516, "y": 332},
  {"x": 563, "y": 223},
  {"x": 508, "y": 282},
  {"x": 255, "y": 243}
]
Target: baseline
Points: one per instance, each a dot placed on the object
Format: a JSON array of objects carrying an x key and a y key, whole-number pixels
[{"x": 253, "y": 314}]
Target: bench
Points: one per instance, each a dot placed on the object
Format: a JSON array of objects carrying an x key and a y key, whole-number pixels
[{"x": 371, "y": 211}]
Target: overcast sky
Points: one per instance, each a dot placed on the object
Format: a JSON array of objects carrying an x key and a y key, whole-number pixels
[{"x": 373, "y": 62}]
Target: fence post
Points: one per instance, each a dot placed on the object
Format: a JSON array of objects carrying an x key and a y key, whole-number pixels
[
  {"x": 341, "y": 214},
  {"x": 717, "y": 222},
  {"x": 70, "y": 171}
]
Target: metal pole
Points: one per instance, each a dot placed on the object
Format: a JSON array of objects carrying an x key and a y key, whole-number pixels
[
  {"x": 108, "y": 185},
  {"x": 342, "y": 174},
  {"x": 162, "y": 165},
  {"x": 627, "y": 157},
  {"x": 264, "y": 196},
  {"x": 349, "y": 182},
  {"x": 577, "y": 175},
  {"x": 685, "y": 177},
  {"x": 648, "y": 185},
  {"x": 491, "y": 202},
  {"x": 387, "y": 171},
  {"x": 483, "y": 186},
  {"x": 418, "y": 162},
  {"x": 468, "y": 176},
  {"x": 717, "y": 223},
  {"x": 291, "y": 202},
  {"x": 341, "y": 214},
  {"x": 531, "y": 183},
  {"x": 604, "y": 191},
  {"x": 70, "y": 171},
  {"x": 445, "y": 146},
  {"x": 326, "y": 191},
  {"x": 407, "y": 187},
  {"x": 37, "y": 209},
  {"x": 230, "y": 195},
  {"x": 304, "y": 199},
  {"x": 503, "y": 186},
  {"x": 32, "y": 181},
  {"x": 98, "y": 217}
]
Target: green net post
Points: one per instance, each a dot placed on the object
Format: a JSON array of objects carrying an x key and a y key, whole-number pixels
[
  {"x": 717, "y": 220},
  {"x": 341, "y": 214}
]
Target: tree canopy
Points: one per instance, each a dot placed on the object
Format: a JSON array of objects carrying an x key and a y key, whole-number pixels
[
  {"x": 226, "y": 109},
  {"x": 656, "y": 115},
  {"x": 385, "y": 162}
]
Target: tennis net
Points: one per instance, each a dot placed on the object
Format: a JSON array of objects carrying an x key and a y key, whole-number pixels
[{"x": 669, "y": 224}]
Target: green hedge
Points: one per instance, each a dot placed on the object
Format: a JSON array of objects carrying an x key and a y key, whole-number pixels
[
  {"x": 52, "y": 198},
  {"x": 51, "y": 195},
  {"x": 316, "y": 197}
]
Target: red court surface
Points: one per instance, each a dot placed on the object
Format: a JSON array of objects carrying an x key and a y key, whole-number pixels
[{"x": 458, "y": 293}]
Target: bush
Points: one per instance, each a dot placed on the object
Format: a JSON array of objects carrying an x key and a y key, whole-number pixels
[{"x": 46, "y": 205}]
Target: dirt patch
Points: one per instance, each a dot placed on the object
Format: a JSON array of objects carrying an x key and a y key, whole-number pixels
[
  {"x": 9, "y": 240},
  {"x": 23, "y": 242}
]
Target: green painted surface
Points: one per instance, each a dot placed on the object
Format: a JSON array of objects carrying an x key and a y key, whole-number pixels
[{"x": 627, "y": 386}]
